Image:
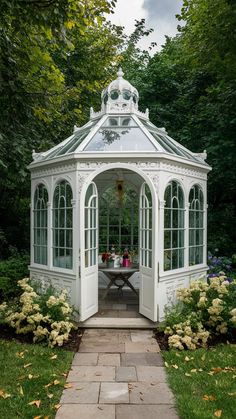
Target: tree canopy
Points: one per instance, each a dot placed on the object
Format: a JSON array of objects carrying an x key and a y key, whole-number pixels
[{"x": 57, "y": 56}]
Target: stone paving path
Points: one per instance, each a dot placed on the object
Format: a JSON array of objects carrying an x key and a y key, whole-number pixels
[{"x": 117, "y": 374}]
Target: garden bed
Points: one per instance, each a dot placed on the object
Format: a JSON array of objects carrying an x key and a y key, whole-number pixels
[{"x": 7, "y": 333}]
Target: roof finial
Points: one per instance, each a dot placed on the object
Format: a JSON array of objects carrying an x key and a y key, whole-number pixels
[{"x": 120, "y": 73}]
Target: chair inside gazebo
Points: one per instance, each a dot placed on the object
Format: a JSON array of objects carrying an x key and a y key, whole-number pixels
[{"x": 118, "y": 221}]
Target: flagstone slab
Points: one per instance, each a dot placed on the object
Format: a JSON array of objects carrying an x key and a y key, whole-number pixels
[
  {"x": 144, "y": 336},
  {"x": 109, "y": 359},
  {"x": 150, "y": 393},
  {"x": 126, "y": 374},
  {"x": 124, "y": 337},
  {"x": 138, "y": 347},
  {"x": 134, "y": 359},
  {"x": 145, "y": 411},
  {"x": 81, "y": 392},
  {"x": 114, "y": 393},
  {"x": 151, "y": 374},
  {"x": 102, "y": 347},
  {"x": 86, "y": 411},
  {"x": 85, "y": 359},
  {"x": 91, "y": 373}
]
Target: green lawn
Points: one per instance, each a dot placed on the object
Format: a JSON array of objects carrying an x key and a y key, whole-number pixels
[
  {"x": 203, "y": 381},
  {"x": 26, "y": 371}
]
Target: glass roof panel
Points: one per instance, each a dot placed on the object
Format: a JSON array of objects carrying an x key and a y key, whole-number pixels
[
  {"x": 119, "y": 138},
  {"x": 168, "y": 143}
]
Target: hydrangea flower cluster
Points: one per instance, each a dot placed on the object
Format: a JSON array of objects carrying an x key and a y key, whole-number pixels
[
  {"x": 204, "y": 309},
  {"x": 48, "y": 317}
]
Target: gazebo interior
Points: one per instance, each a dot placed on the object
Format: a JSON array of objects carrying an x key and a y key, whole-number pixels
[{"x": 118, "y": 221}]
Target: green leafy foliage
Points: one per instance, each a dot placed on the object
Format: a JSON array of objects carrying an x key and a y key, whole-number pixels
[
  {"x": 55, "y": 58},
  {"x": 190, "y": 88},
  {"x": 11, "y": 271}
]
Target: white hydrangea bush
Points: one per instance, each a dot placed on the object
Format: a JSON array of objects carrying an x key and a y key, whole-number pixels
[
  {"x": 204, "y": 309},
  {"x": 48, "y": 317}
]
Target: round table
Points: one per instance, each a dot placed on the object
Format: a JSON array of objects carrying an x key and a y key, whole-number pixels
[{"x": 119, "y": 277}]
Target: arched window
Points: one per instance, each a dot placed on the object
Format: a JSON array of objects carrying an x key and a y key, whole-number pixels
[
  {"x": 196, "y": 212},
  {"x": 173, "y": 227},
  {"x": 62, "y": 225},
  {"x": 40, "y": 242}
]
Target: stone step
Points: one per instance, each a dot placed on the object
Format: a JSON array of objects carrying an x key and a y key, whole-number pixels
[{"x": 118, "y": 323}]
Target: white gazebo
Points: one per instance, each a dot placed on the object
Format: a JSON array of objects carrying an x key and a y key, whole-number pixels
[{"x": 78, "y": 208}]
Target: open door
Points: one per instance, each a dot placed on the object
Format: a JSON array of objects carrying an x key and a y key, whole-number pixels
[
  {"x": 89, "y": 254},
  {"x": 148, "y": 286}
]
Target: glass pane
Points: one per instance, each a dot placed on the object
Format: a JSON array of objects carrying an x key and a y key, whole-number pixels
[
  {"x": 181, "y": 238},
  {"x": 181, "y": 258},
  {"x": 191, "y": 237},
  {"x": 174, "y": 239},
  {"x": 167, "y": 239},
  {"x": 118, "y": 139},
  {"x": 167, "y": 218},
  {"x": 175, "y": 217},
  {"x": 167, "y": 260},
  {"x": 175, "y": 262},
  {"x": 168, "y": 197}
]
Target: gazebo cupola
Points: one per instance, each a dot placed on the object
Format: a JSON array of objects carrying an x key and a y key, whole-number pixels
[
  {"x": 119, "y": 95},
  {"x": 74, "y": 216}
]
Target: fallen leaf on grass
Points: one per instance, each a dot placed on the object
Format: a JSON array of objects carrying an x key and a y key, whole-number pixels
[
  {"x": 54, "y": 357},
  {"x": 37, "y": 417},
  {"x": 30, "y": 376},
  {"x": 203, "y": 357},
  {"x": 187, "y": 374},
  {"x": 187, "y": 359},
  {"x": 35, "y": 402},
  {"x": 50, "y": 395},
  {"x": 21, "y": 390},
  {"x": 175, "y": 366},
  {"x": 216, "y": 370},
  {"x": 56, "y": 382},
  {"x": 20, "y": 354},
  {"x": 64, "y": 374},
  {"x": 194, "y": 370},
  {"x": 48, "y": 385},
  {"x": 209, "y": 398},
  {"x": 232, "y": 394},
  {"x": 4, "y": 395},
  {"x": 27, "y": 365},
  {"x": 218, "y": 413},
  {"x": 57, "y": 406},
  {"x": 166, "y": 364},
  {"x": 68, "y": 385}
]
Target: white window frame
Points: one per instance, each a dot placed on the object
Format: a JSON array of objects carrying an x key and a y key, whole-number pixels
[
  {"x": 62, "y": 229},
  {"x": 179, "y": 229},
  {"x": 40, "y": 230}
]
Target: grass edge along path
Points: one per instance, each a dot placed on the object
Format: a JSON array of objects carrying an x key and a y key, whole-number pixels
[
  {"x": 203, "y": 381},
  {"x": 32, "y": 379}
]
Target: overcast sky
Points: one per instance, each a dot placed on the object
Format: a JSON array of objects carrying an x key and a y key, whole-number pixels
[{"x": 159, "y": 15}]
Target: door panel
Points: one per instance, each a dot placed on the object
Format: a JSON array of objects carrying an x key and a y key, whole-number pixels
[
  {"x": 89, "y": 250},
  {"x": 148, "y": 286}
]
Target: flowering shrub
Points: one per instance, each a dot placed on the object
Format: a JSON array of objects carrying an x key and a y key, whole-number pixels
[
  {"x": 204, "y": 309},
  {"x": 46, "y": 316},
  {"x": 219, "y": 264}
]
